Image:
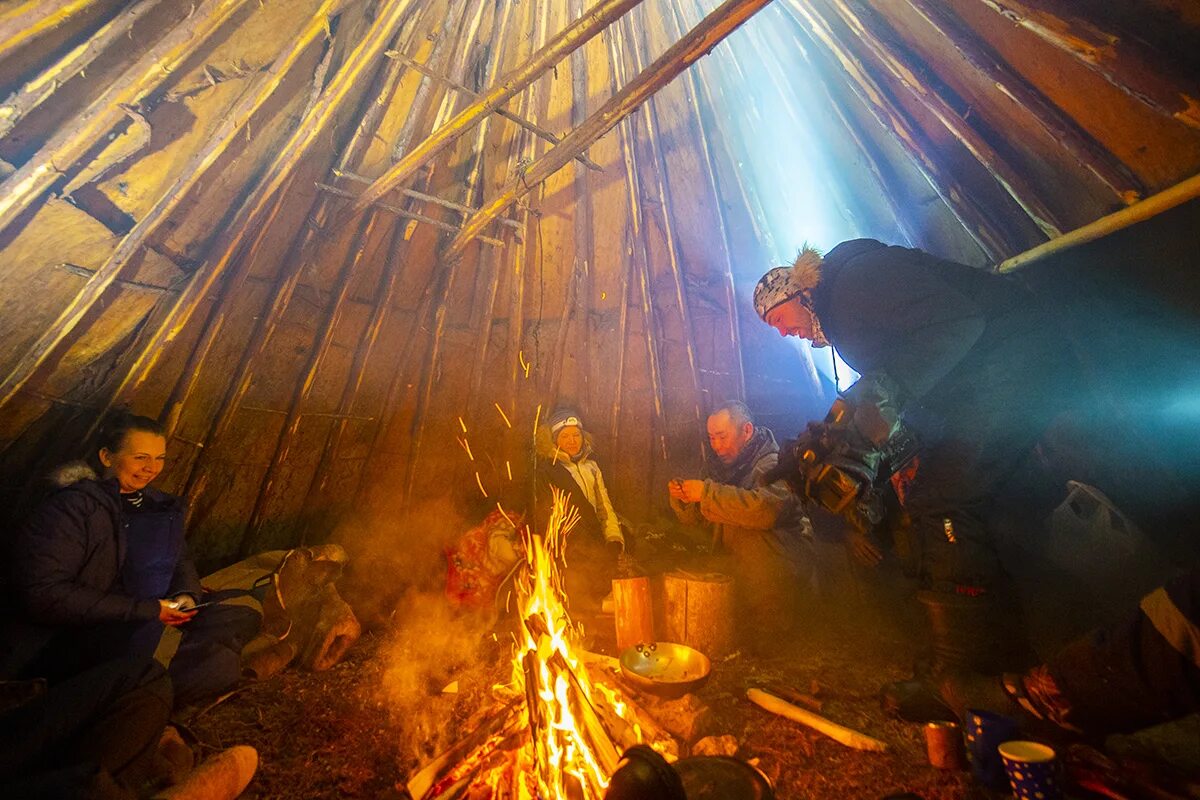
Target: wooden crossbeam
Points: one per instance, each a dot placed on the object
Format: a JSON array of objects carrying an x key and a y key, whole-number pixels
[
  {"x": 710, "y": 32},
  {"x": 428, "y": 198},
  {"x": 532, "y": 127},
  {"x": 404, "y": 212},
  {"x": 569, "y": 39}
]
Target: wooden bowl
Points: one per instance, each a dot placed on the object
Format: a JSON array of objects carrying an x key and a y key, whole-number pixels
[{"x": 665, "y": 669}]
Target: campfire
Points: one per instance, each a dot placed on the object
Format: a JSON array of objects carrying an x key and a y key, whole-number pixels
[{"x": 558, "y": 731}]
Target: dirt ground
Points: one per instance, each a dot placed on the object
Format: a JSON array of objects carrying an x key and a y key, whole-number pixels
[
  {"x": 410, "y": 689},
  {"x": 332, "y": 734}
]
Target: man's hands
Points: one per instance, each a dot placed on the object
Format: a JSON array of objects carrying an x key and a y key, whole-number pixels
[
  {"x": 865, "y": 551},
  {"x": 687, "y": 491},
  {"x": 170, "y": 614}
]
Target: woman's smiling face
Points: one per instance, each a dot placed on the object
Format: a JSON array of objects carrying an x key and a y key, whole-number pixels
[{"x": 139, "y": 460}]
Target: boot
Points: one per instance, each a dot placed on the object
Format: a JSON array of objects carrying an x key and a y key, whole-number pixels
[
  {"x": 221, "y": 777},
  {"x": 969, "y": 634}
]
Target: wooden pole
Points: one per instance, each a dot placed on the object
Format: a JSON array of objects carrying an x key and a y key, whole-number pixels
[
  {"x": 894, "y": 57},
  {"x": 724, "y": 20},
  {"x": 22, "y": 23},
  {"x": 1059, "y": 126},
  {"x": 573, "y": 36},
  {"x": 41, "y": 88},
  {"x": 692, "y": 96},
  {"x": 839, "y": 733},
  {"x": 78, "y": 137},
  {"x": 638, "y": 257},
  {"x": 322, "y": 339},
  {"x": 1138, "y": 212},
  {"x": 443, "y": 277},
  {"x": 1117, "y": 57},
  {"x": 975, "y": 220},
  {"x": 535, "y": 129},
  {"x": 193, "y": 173},
  {"x": 665, "y": 204},
  {"x": 253, "y": 217}
]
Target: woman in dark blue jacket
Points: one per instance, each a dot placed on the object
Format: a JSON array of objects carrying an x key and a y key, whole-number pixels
[{"x": 101, "y": 567}]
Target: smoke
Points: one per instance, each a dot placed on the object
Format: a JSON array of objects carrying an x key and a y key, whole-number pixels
[{"x": 440, "y": 666}]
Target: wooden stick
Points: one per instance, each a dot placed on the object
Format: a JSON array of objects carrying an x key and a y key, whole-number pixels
[
  {"x": 573, "y": 36},
  {"x": 106, "y": 113},
  {"x": 839, "y": 733},
  {"x": 253, "y": 217},
  {"x": 489, "y": 732},
  {"x": 1058, "y": 125},
  {"x": 1165, "y": 200},
  {"x": 975, "y": 220},
  {"x": 41, "y": 88},
  {"x": 322, "y": 339},
  {"x": 894, "y": 57},
  {"x": 428, "y": 198},
  {"x": 1118, "y": 57},
  {"x": 724, "y": 20},
  {"x": 404, "y": 212},
  {"x": 190, "y": 177},
  {"x": 534, "y": 128}
]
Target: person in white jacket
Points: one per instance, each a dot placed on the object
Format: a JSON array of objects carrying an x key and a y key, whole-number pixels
[{"x": 595, "y": 544}]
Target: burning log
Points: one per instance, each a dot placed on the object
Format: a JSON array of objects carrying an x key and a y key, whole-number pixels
[
  {"x": 839, "y": 733},
  {"x": 460, "y": 762}
]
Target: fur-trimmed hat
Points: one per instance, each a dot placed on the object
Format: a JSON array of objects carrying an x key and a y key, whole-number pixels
[{"x": 783, "y": 283}]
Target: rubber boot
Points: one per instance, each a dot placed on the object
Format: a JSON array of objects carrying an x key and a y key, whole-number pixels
[{"x": 968, "y": 634}]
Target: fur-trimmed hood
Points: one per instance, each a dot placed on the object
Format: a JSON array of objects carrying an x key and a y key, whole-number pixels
[{"x": 71, "y": 472}]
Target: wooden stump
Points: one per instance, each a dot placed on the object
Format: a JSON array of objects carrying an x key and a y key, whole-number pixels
[
  {"x": 634, "y": 611},
  {"x": 698, "y": 611}
]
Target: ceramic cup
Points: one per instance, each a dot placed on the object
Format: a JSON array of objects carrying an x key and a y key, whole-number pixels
[{"x": 1033, "y": 770}]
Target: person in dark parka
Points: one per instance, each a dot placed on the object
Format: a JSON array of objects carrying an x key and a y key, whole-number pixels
[
  {"x": 970, "y": 364},
  {"x": 99, "y": 569}
]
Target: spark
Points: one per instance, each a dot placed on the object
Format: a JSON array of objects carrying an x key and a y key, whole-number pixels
[
  {"x": 479, "y": 481},
  {"x": 506, "y": 516},
  {"x": 537, "y": 416},
  {"x": 525, "y": 365},
  {"x": 462, "y": 424},
  {"x": 502, "y": 414},
  {"x": 508, "y": 467},
  {"x": 466, "y": 446}
]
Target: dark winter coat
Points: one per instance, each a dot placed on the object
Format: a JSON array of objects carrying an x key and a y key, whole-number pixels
[
  {"x": 67, "y": 563},
  {"x": 959, "y": 342}
]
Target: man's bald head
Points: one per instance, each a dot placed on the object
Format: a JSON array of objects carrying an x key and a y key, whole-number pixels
[{"x": 730, "y": 427}]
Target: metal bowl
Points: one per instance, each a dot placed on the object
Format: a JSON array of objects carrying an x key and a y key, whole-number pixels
[{"x": 664, "y": 668}]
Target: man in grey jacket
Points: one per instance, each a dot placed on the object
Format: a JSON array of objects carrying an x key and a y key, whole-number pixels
[{"x": 762, "y": 527}]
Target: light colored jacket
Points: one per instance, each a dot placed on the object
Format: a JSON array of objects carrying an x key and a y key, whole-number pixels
[{"x": 587, "y": 475}]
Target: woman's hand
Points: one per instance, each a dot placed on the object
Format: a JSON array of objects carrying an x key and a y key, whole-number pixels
[{"x": 170, "y": 614}]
